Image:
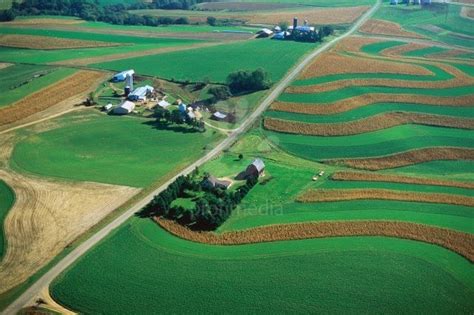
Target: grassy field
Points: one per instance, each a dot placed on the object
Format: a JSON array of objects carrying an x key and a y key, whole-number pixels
[
  {"x": 218, "y": 61},
  {"x": 445, "y": 19},
  {"x": 319, "y": 3},
  {"x": 359, "y": 274},
  {"x": 7, "y": 198},
  {"x": 21, "y": 80},
  {"x": 101, "y": 148}
]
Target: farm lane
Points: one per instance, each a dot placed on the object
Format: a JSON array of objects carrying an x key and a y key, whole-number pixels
[{"x": 29, "y": 295}]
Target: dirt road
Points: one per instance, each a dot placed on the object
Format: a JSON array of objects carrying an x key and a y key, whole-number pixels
[{"x": 29, "y": 295}]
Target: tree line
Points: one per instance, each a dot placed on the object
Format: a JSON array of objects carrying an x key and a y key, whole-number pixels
[
  {"x": 92, "y": 10},
  {"x": 211, "y": 209}
]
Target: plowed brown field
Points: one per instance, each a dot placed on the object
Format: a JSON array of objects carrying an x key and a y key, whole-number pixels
[
  {"x": 408, "y": 158},
  {"x": 388, "y": 178},
  {"x": 78, "y": 83},
  {"x": 49, "y": 43},
  {"x": 381, "y": 27},
  {"x": 459, "y": 242},
  {"x": 367, "y": 99},
  {"x": 382, "y": 121}
]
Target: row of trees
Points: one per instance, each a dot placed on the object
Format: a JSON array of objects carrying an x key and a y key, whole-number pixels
[
  {"x": 211, "y": 210},
  {"x": 175, "y": 116},
  {"x": 244, "y": 81},
  {"x": 91, "y": 10}
]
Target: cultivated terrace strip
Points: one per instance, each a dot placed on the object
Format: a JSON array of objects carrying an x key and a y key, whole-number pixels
[
  {"x": 370, "y": 98},
  {"x": 459, "y": 242},
  {"x": 389, "y": 178},
  {"x": 378, "y": 122},
  {"x": 326, "y": 195},
  {"x": 407, "y": 158}
]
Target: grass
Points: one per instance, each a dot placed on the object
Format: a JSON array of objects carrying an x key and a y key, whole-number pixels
[
  {"x": 321, "y": 3},
  {"x": 7, "y": 199},
  {"x": 275, "y": 277},
  {"x": 16, "y": 80},
  {"x": 345, "y": 93},
  {"x": 461, "y": 170},
  {"x": 372, "y": 110},
  {"x": 104, "y": 149},
  {"x": 442, "y": 16},
  {"x": 218, "y": 61},
  {"x": 377, "y": 143}
]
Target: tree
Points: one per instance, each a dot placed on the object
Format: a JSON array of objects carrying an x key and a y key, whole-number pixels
[
  {"x": 7, "y": 15},
  {"x": 283, "y": 25},
  {"x": 241, "y": 156},
  {"x": 220, "y": 92},
  {"x": 176, "y": 117},
  {"x": 248, "y": 81},
  {"x": 161, "y": 114},
  {"x": 212, "y": 21}
]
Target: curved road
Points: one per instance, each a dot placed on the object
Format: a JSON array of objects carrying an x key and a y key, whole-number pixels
[{"x": 32, "y": 292}]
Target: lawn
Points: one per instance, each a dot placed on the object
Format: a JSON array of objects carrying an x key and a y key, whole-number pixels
[
  {"x": 109, "y": 149},
  {"x": 22, "y": 80},
  {"x": 334, "y": 275},
  {"x": 218, "y": 61},
  {"x": 7, "y": 198}
]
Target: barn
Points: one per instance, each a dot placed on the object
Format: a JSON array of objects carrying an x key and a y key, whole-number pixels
[
  {"x": 125, "y": 108},
  {"x": 255, "y": 169},
  {"x": 119, "y": 77}
]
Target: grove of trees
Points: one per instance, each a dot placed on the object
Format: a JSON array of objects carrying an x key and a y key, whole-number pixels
[
  {"x": 212, "y": 208},
  {"x": 244, "y": 81}
]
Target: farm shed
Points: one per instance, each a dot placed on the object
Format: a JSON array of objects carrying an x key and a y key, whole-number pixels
[
  {"x": 140, "y": 94},
  {"x": 107, "y": 107},
  {"x": 125, "y": 108},
  {"x": 163, "y": 104},
  {"x": 219, "y": 116},
  {"x": 182, "y": 108},
  {"x": 264, "y": 32},
  {"x": 255, "y": 169},
  {"x": 281, "y": 35},
  {"x": 213, "y": 182},
  {"x": 122, "y": 76}
]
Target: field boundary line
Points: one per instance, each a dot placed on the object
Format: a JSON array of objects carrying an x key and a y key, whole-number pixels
[{"x": 81, "y": 249}]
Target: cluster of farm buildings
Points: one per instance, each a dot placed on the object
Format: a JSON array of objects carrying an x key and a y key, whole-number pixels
[
  {"x": 294, "y": 31},
  {"x": 147, "y": 93},
  {"x": 407, "y": 2},
  {"x": 255, "y": 170}
]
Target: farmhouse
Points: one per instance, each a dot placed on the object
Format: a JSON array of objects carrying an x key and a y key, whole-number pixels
[
  {"x": 122, "y": 76},
  {"x": 125, "y": 108},
  {"x": 255, "y": 169},
  {"x": 264, "y": 32},
  {"x": 140, "y": 94},
  {"x": 212, "y": 182}
]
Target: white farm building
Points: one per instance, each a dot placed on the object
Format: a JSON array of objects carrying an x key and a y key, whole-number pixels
[
  {"x": 122, "y": 76},
  {"x": 125, "y": 108},
  {"x": 139, "y": 94}
]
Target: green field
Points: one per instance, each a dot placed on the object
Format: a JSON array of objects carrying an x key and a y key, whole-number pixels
[
  {"x": 21, "y": 80},
  {"x": 129, "y": 44},
  {"x": 320, "y": 3},
  {"x": 7, "y": 198},
  {"x": 116, "y": 150},
  {"x": 334, "y": 275},
  {"x": 218, "y": 61},
  {"x": 445, "y": 18}
]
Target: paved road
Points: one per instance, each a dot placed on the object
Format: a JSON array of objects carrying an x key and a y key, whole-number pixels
[{"x": 45, "y": 280}]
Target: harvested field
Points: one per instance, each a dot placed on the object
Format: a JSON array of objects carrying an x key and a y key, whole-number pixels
[
  {"x": 243, "y": 6},
  {"x": 326, "y": 195},
  {"x": 322, "y": 16},
  {"x": 78, "y": 83},
  {"x": 467, "y": 13},
  {"x": 369, "y": 124},
  {"x": 408, "y": 158},
  {"x": 47, "y": 216},
  {"x": 459, "y": 242},
  {"x": 4, "y": 65},
  {"x": 333, "y": 63},
  {"x": 100, "y": 59},
  {"x": 366, "y": 99},
  {"x": 376, "y": 177},
  {"x": 452, "y": 53},
  {"x": 45, "y": 21},
  {"x": 49, "y": 43},
  {"x": 381, "y": 27}
]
